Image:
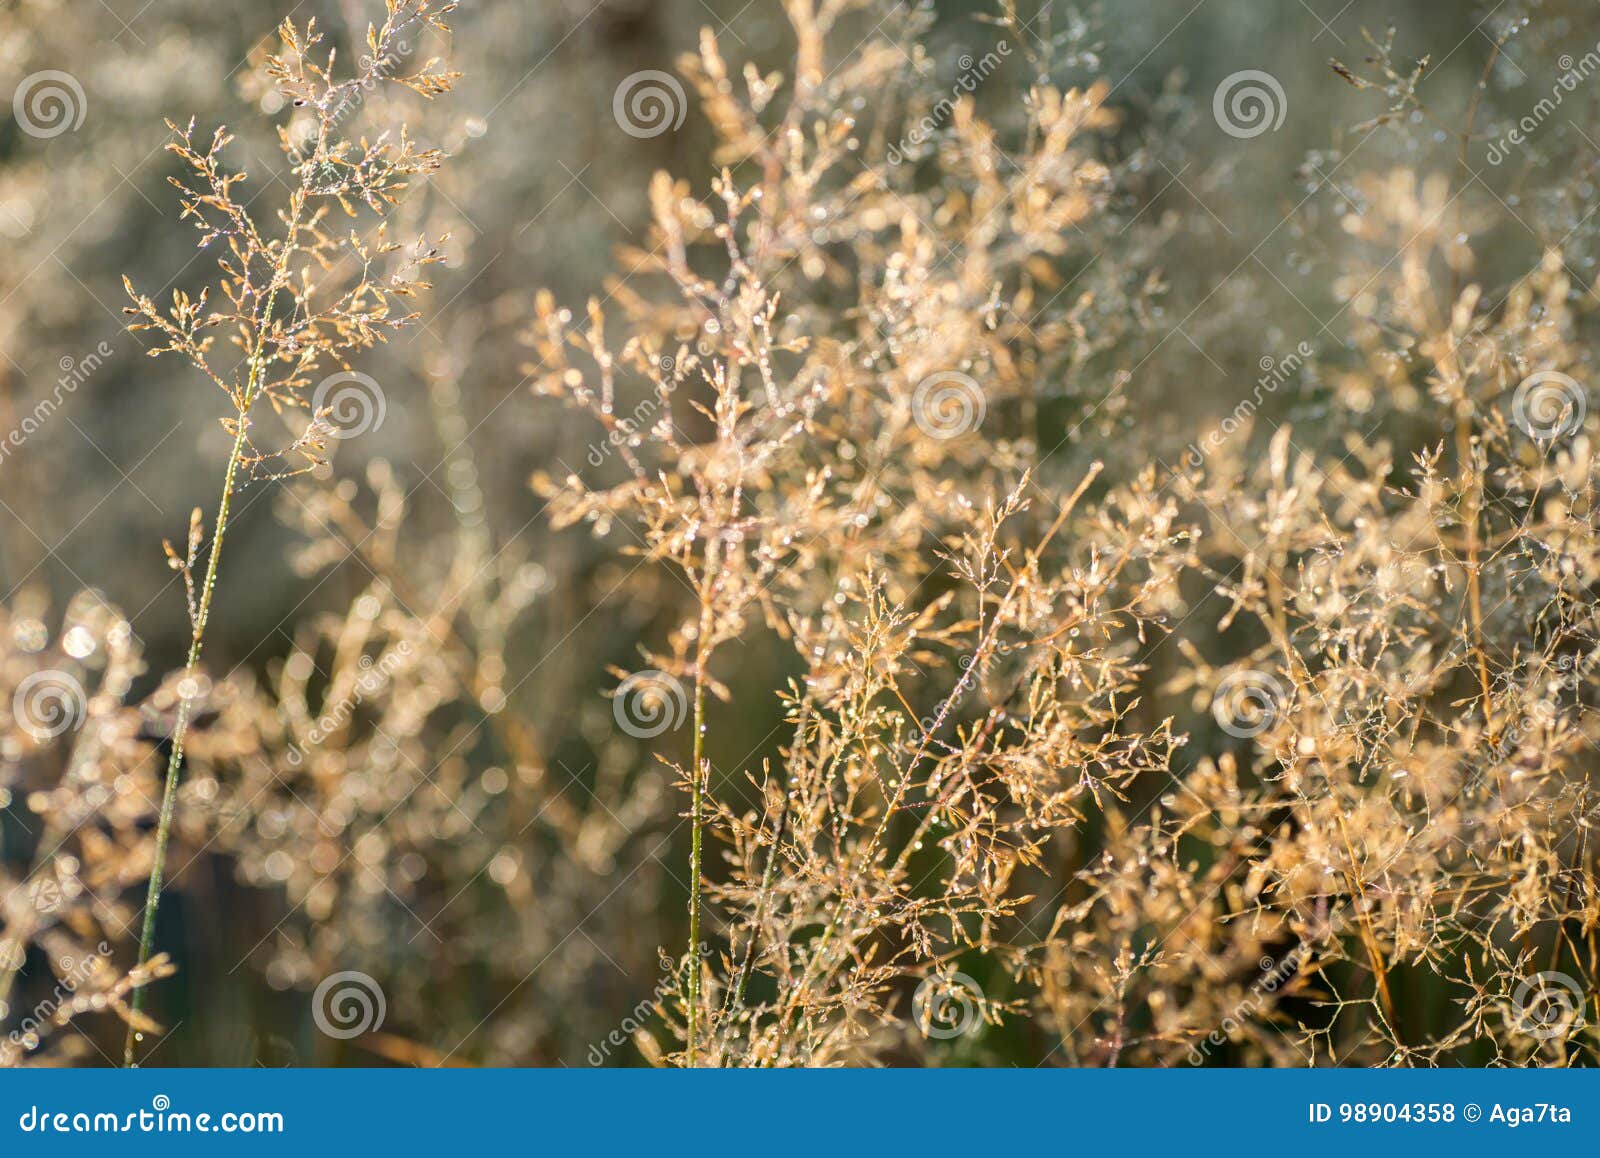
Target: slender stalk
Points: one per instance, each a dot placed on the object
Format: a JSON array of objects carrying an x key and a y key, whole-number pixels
[
  {"x": 1473, "y": 481},
  {"x": 697, "y": 800},
  {"x": 180, "y": 729},
  {"x": 737, "y": 997},
  {"x": 697, "y": 803},
  {"x": 1369, "y": 939},
  {"x": 179, "y": 732}
]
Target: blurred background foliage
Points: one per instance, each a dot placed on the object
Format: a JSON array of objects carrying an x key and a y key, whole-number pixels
[{"x": 544, "y": 190}]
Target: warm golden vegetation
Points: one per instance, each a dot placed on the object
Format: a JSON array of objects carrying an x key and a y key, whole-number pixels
[{"x": 1083, "y": 750}]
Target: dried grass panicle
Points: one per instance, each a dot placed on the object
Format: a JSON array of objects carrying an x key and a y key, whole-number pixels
[
  {"x": 296, "y": 303},
  {"x": 1279, "y": 756},
  {"x": 77, "y": 759},
  {"x": 952, "y": 718}
]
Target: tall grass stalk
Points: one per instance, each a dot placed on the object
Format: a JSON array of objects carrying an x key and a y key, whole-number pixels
[
  {"x": 180, "y": 729},
  {"x": 329, "y": 321}
]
